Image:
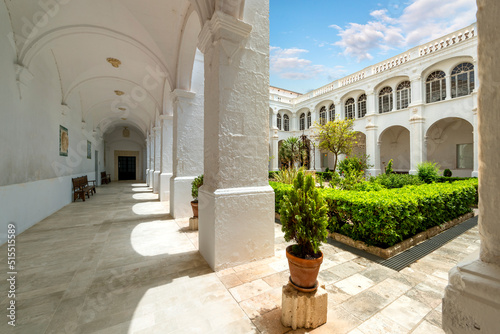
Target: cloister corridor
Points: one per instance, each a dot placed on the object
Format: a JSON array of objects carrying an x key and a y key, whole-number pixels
[{"x": 118, "y": 263}]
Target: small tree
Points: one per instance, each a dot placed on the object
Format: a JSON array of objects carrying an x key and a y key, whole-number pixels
[{"x": 337, "y": 137}]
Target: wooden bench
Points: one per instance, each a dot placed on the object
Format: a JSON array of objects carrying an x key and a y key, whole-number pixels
[
  {"x": 82, "y": 187},
  {"x": 105, "y": 178}
]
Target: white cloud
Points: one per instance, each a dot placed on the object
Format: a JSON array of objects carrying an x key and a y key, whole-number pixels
[
  {"x": 398, "y": 27},
  {"x": 288, "y": 64}
]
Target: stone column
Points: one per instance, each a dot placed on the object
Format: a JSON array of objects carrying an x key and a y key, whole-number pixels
[
  {"x": 151, "y": 158},
  {"x": 157, "y": 164},
  {"x": 236, "y": 208},
  {"x": 394, "y": 100},
  {"x": 372, "y": 147},
  {"x": 166, "y": 156},
  {"x": 275, "y": 151},
  {"x": 418, "y": 146},
  {"x": 317, "y": 157},
  {"x": 472, "y": 297},
  {"x": 416, "y": 90},
  {"x": 370, "y": 103},
  {"x": 475, "y": 171},
  {"x": 448, "y": 86},
  {"x": 187, "y": 150},
  {"x": 147, "y": 159}
]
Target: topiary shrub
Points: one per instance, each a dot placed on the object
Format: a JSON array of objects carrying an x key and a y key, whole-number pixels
[
  {"x": 391, "y": 181},
  {"x": 388, "y": 169},
  {"x": 447, "y": 173},
  {"x": 428, "y": 171},
  {"x": 304, "y": 217}
]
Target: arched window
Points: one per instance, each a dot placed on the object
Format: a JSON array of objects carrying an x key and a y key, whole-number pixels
[
  {"x": 302, "y": 124},
  {"x": 403, "y": 95},
  {"x": 435, "y": 87},
  {"x": 308, "y": 120},
  {"x": 286, "y": 123},
  {"x": 462, "y": 80},
  {"x": 322, "y": 115},
  {"x": 278, "y": 121},
  {"x": 332, "y": 112},
  {"x": 385, "y": 101},
  {"x": 349, "y": 109},
  {"x": 362, "y": 106}
]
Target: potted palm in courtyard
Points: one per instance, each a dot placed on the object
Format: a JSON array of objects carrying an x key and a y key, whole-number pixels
[
  {"x": 304, "y": 219},
  {"x": 197, "y": 182}
]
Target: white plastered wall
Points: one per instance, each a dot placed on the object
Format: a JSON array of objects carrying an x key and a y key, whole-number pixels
[
  {"x": 35, "y": 181},
  {"x": 115, "y": 141}
]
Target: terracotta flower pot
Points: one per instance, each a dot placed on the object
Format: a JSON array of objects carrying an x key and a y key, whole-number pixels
[
  {"x": 194, "y": 206},
  {"x": 303, "y": 273}
]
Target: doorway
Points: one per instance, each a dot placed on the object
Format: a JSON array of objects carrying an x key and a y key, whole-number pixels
[{"x": 126, "y": 168}]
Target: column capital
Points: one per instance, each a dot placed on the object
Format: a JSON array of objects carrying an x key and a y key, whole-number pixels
[
  {"x": 227, "y": 30},
  {"x": 182, "y": 94}
]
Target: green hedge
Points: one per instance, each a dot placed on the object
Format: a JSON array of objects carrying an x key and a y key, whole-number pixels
[{"x": 386, "y": 217}]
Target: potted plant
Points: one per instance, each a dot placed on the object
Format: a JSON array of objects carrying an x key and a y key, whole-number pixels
[
  {"x": 304, "y": 219},
  {"x": 197, "y": 182}
]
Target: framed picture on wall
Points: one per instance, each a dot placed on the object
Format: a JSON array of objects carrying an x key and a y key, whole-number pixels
[
  {"x": 63, "y": 141},
  {"x": 89, "y": 150}
]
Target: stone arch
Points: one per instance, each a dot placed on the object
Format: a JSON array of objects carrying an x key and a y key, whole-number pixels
[
  {"x": 394, "y": 143},
  {"x": 450, "y": 143}
]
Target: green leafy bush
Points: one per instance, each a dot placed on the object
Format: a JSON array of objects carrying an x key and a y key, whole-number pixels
[
  {"x": 428, "y": 171},
  {"x": 391, "y": 181},
  {"x": 272, "y": 174},
  {"x": 359, "y": 164},
  {"x": 304, "y": 216},
  {"x": 197, "y": 182},
  {"x": 388, "y": 216},
  {"x": 447, "y": 173},
  {"x": 287, "y": 175}
]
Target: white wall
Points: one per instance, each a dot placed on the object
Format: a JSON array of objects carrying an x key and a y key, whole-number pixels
[
  {"x": 35, "y": 180},
  {"x": 115, "y": 141}
]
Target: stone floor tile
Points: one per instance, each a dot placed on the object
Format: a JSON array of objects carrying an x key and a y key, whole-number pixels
[
  {"x": 277, "y": 280},
  {"x": 230, "y": 281},
  {"x": 354, "y": 284},
  {"x": 381, "y": 324},
  {"x": 255, "y": 273},
  {"x": 270, "y": 323},
  {"x": 263, "y": 303},
  {"x": 339, "y": 321},
  {"x": 426, "y": 328},
  {"x": 249, "y": 290},
  {"x": 335, "y": 295},
  {"x": 406, "y": 312}
]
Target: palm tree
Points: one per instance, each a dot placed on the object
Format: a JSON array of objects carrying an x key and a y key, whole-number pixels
[{"x": 290, "y": 151}]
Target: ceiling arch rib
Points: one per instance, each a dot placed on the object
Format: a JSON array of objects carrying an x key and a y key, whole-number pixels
[
  {"x": 103, "y": 110},
  {"x": 187, "y": 51},
  {"x": 92, "y": 80},
  {"x": 50, "y": 38},
  {"x": 108, "y": 124}
]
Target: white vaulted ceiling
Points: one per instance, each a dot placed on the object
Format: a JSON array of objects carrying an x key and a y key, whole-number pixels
[{"x": 155, "y": 40}]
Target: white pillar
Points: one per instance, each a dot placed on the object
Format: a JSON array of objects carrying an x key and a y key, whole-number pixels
[
  {"x": 166, "y": 156},
  {"x": 275, "y": 151},
  {"x": 236, "y": 208},
  {"x": 151, "y": 158},
  {"x": 472, "y": 297},
  {"x": 157, "y": 163},
  {"x": 475, "y": 171},
  {"x": 416, "y": 91},
  {"x": 147, "y": 160},
  {"x": 370, "y": 103},
  {"x": 448, "y": 86},
  {"x": 317, "y": 157},
  {"x": 418, "y": 145},
  {"x": 372, "y": 147},
  {"x": 187, "y": 150}
]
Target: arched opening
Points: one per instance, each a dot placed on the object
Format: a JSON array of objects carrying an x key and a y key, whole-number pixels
[
  {"x": 395, "y": 144},
  {"x": 450, "y": 143}
]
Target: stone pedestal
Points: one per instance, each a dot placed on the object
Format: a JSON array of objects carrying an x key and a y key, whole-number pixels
[
  {"x": 193, "y": 223},
  {"x": 303, "y": 309}
]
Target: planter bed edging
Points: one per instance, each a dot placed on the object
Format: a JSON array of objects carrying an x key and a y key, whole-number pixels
[{"x": 386, "y": 253}]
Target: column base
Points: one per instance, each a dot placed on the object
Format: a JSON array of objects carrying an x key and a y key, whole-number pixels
[
  {"x": 147, "y": 177},
  {"x": 165, "y": 186},
  {"x": 156, "y": 182},
  {"x": 475, "y": 173},
  {"x": 413, "y": 172},
  {"x": 471, "y": 301},
  {"x": 180, "y": 196},
  {"x": 373, "y": 172},
  {"x": 303, "y": 309},
  {"x": 236, "y": 225}
]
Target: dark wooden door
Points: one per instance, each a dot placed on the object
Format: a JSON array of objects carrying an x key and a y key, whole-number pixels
[{"x": 126, "y": 168}]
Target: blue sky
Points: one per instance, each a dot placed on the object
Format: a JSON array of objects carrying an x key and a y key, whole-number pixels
[{"x": 314, "y": 42}]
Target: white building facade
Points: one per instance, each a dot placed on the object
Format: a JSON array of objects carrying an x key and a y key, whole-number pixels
[{"x": 418, "y": 106}]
